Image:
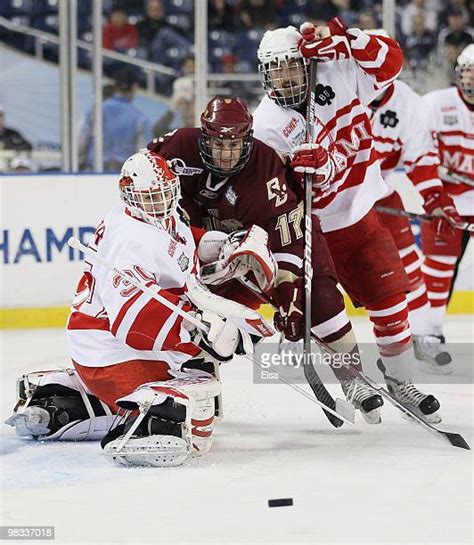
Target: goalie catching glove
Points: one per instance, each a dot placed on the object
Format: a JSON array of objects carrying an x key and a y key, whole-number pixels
[
  {"x": 233, "y": 256},
  {"x": 232, "y": 328}
]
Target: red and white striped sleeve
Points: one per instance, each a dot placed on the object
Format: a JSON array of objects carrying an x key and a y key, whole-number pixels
[
  {"x": 378, "y": 61},
  {"x": 144, "y": 323}
]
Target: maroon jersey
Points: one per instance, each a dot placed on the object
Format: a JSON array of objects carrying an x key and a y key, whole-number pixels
[{"x": 259, "y": 194}]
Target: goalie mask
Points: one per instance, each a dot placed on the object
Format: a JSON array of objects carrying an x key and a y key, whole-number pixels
[
  {"x": 283, "y": 68},
  {"x": 149, "y": 188},
  {"x": 465, "y": 71},
  {"x": 225, "y": 143}
]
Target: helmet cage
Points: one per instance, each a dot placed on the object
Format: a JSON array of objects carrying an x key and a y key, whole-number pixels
[
  {"x": 464, "y": 77},
  {"x": 287, "y": 92},
  {"x": 209, "y": 157},
  {"x": 153, "y": 201}
]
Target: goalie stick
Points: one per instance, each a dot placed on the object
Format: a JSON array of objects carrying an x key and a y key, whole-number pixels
[
  {"x": 347, "y": 416},
  {"x": 463, "y": 225},
  {"x": 454, "y": 177},
  {"x": 456, "y": 439}
]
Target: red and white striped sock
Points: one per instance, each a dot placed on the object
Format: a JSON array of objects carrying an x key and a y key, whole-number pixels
[
  {"x": 439, "y": 272},
  {"x": 393, "y": 335},
  {"x": 417, "y": 298}
]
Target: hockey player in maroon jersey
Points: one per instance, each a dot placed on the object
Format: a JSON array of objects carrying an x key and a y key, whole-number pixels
[
  {"x": 230, "y": 181},
  {"x": 452, "y": 124},
  {"x": 352, "y": 69}
]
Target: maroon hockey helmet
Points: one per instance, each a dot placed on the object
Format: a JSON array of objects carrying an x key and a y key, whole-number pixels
[{"x": 226, "y": 135}]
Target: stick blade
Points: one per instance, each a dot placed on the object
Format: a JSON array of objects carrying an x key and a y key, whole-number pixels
[{"x": 456, "y": 439}]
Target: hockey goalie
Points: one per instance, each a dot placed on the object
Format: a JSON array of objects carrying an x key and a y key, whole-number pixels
[{"x": 144, "y": 378}]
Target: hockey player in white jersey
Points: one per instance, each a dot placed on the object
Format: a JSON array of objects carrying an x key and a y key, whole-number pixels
[
  {"x": 452, "y": 125},
  {"x": 132, "y": 354},
  {"x": 353, "y": 68},
  {"x": 400, "y": 126}
]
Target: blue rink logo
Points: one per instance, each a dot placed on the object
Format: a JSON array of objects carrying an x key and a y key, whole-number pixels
[{"x": 41, "y": 246}]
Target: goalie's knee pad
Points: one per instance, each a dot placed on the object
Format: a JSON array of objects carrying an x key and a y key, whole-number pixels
[
  {"x": 55, "y": 405},
  {"x": 175, "y": 421}
]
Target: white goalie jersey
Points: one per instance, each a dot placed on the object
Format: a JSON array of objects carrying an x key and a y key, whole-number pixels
[
  {"x": 452, "y": 125},
  {"x": 400, "y": 125},
  {"x": 112, "y": 321}
]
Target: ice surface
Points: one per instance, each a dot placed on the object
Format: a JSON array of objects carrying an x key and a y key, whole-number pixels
[{"x": 393, "y": 483}]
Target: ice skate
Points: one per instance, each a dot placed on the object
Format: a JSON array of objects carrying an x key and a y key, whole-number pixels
[
  {"x": 434, "y": 359},
  {"x": 423, "y": 405},
  {"x": 365, "y": 399}
]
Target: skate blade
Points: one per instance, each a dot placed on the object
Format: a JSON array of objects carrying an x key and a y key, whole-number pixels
[
  {"x": 434, "y": 418},
  {"x": 152, "y": 451},
  {"x": 435, "y": 369},
  {"x": 345, "y": 409},
  {"x": 372, "y": 417}
]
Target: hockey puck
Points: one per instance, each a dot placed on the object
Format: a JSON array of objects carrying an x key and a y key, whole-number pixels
[{"x": 280, "y": 502}]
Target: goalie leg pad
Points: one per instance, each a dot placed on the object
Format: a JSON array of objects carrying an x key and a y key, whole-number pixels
[
  {"x": 55, "y": 405},
  {"x": 175, "y": 422}
]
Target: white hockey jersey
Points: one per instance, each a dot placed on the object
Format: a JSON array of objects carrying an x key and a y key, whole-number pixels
[
  {"x": 112, "y": 321},
  {"x": 344, "y": 89},
  {"x": 400, "y": 125},
  {"x": 452, "y": 125}
]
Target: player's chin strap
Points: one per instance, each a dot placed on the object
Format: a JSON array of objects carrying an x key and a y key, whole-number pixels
[
  {"x": 242, "y": 252},
  {"x": 261, "y": 325}
]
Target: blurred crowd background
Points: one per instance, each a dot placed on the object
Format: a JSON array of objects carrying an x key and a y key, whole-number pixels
[{"x": 431, "y": 32}]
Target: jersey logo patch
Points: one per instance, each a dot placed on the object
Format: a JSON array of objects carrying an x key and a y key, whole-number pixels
[
  {"x": 230, "y": 196},
  {"x": 324, "y": 94},
  {"x": 389, "y": 119},
  {"x": 183, "y": 261},
  {"x": 180, "y": 168},
  {"x": 450, "y": 119},
  {"x": 277, "y": 191}
]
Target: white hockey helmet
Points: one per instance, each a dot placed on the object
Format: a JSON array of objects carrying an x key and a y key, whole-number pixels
[
  {"x": 149, "y": 188},
  {"x": 465, "y": 71},
  {"x": 283, "y": 68}
]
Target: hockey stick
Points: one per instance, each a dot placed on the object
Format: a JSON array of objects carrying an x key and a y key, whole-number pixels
[
  {"x": 454, "y": 177},
  {"x": 76, "y": 244},
  {"x": 463, "y": 225},
  {"x": 339, "y": 405},
  {"x": 310, "y": 374},
  {"x": 455, "y": 439}
]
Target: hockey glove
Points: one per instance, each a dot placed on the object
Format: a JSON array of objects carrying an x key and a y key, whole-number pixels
[
  {"x": 315, "y": 160},
  {"x": 441, "y": 205},
  {"x": 224, "y": 338},
  {"x": 289, "y": 319},
  {"x": 325, "y": 43}
]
